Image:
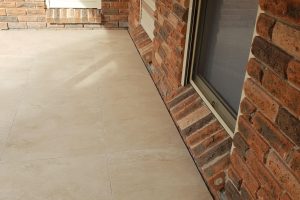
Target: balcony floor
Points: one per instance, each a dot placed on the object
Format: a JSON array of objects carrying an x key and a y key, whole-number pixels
[{"x": 82, "y": 120}]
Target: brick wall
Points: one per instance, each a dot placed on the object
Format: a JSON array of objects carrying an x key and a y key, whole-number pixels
[
  {"x": 170, "y": 30},
  {"x": 22, "y": 14},
  {"x": 265, "y": 162},
  {"x": 134, "y": 16}
]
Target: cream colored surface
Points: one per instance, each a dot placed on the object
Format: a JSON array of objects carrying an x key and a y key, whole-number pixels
[{"x": 81, "y": 120}]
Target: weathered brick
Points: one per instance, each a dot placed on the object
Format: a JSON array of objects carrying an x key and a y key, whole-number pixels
[
  {"x": 15, "y": 11},
  {"x": 212, "y": 153},
  {"x": 264, "y": 26},
  {"x": 180, "y": 12},
  {"x": 271, "y": 55},
  {"x": 289, "y": 124},
  {"x": 243, "y": 171},
  {"x": 254, "y": 140},
  {"x": 17, "y": 25},
  {"x": 2, "y": 12},
  {"x": 287, "y": 37},
  {"x": 286, "y": 9},
  {"x": 240, "y": 144},
  {"x": 283, "y": 175},
  {"x": 293, "y": 73},
  {"x": 195, "y": 120},
  {"x": 234, "y": 177},
  {"x": 274, "y": 137},
  {"x": 254, "y": 69},
  {"x": 26, "y": 4},
  {"x": 286, "y": 94},
  {"x": 186, "y": 107},
  {"x": 3, "y": 26},
  {"x": 204, "y": 132},
  {"x": 220, "y": 164},
  {"x": 231, "y": 192},
  {"x": 36, "y": 25},
  {"x": 285, "y": 196},
  {"x": 7, "y": 4},
  {"x": 214, "y": 139},
  {"x": 294, "y": 163},
  {"x": 36, "y": 11},
  {"x": 245, "y": 193},
  {"x": 264, "y": 102},
  {"x": 265, "y": 179},
  {"x": 247, "y": 107},
  {"x": 217, "y": 182},
  {"x": 8, "y": 19}
]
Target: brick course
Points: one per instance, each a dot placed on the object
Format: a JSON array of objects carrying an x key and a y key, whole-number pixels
[{"x": 33, "y": 14}]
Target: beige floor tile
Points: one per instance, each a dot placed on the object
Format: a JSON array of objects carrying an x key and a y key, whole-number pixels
[
  {"x": 54, "y": 131},
  {"x": 15, "y": 68},
  {"x": 76, "y": 178},
  {"x": 81, "y": 120},
  {"x": 162, "y": 174}
]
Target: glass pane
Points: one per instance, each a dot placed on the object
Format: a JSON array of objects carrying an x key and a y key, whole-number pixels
[{"x": 226, "y": 41}]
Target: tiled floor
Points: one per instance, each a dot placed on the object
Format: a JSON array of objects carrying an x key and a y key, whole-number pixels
[{"x": 80, "y": 119}]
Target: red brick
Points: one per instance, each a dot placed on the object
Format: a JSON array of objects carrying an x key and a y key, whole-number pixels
[
  {"x": 254, "y": 69},
  {"x": 285, "y": 196},
  {"x": 294, "y": 163},
  {"x": 245, "y": 193},
  {"x": 293, "y": 73},
  {"x": 234, "y": 177},
  {"x": 3, "y": 26},
  {"x": 271, "y": 133},
  {"x": 286, "y": 94},
  {"x": 287, "y": 37},
  {"x": 265, "y": 103},
  {"x": 195, "y": 120},
  {"x": 214, "y": 152},
  {"x": 15, "y": 11},
  {"x": 247, "y": 107},
  {"x": 265, "y": 179},
  {"x": 7, "y": 4},
  {"x": 217, "y": 182},
  {"x": 231, "y": 192},
  {"x": 243, "y": 171},
  {"x": 186, "y": 106},
  {"x": 262, "y": 194},
  {"x": 240, "y": 144},
  {"x": 283, "y": 175},
  {"x": 264, "y": 26},
  {"x": 36, "y": 25},
  {"x": 36, "y": 11},
  {"x": 255, "y": 141},
  {"x": 289, "y": 125},
  {"x": 220, "y": 164},
  {"x": 271, "y": 55},
  {"x": 285, "y": 9},
  {"x": 214, "y": 139},
  {"x": 17, "y": 25},
  {"x": 204, "y": 132},
  {"x": 27, "y": 18},
  {"x": 2, "y": 12}
]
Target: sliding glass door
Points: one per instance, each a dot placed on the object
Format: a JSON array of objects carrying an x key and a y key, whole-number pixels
[{"x": 223, "y": 38}]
